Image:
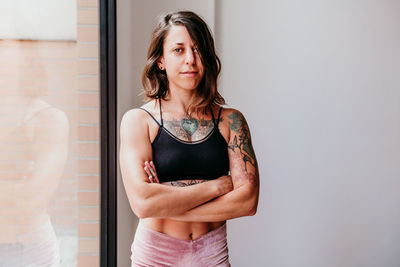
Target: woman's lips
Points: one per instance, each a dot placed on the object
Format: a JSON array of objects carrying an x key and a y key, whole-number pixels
[{"x": 189, "y": 73}]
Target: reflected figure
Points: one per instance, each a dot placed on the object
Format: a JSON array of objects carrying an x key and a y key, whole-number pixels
[{"x": 33, "y": 152}]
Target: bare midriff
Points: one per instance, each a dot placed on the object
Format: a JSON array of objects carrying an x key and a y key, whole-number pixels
[{"x": 180, "y": 229}]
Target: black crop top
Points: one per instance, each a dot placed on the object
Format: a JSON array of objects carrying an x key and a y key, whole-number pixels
[{"x": 177, "y": 159}]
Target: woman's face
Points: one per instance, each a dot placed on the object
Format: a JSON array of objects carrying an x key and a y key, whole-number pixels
[{"x": 181, "y": 60}]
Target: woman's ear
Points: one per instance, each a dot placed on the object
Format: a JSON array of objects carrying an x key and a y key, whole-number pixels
[{"x": 160, "y": 63}]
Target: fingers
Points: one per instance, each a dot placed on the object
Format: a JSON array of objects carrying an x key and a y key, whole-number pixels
[
  {"x": 153, "y": 169},
  {"x": 147, "y": 170},
  {"x": 151, "y": 172}
]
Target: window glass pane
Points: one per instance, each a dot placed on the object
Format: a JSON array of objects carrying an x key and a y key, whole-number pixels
[{"x": 49, "y": 138}]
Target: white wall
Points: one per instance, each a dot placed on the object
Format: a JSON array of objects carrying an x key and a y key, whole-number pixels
[
  {"x": 318, "y": 82},
  {"x": 136, "y": 20},
  {"x": 38, "y": 19}
]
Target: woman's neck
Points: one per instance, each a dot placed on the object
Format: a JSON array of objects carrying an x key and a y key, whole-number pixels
[{"x": 180, "y": 100}]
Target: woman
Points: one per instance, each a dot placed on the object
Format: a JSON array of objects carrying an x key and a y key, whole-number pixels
[{"x": 187, "y": 163}]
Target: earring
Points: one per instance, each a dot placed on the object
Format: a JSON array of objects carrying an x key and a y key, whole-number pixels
[{"x": 161, "y": 68}]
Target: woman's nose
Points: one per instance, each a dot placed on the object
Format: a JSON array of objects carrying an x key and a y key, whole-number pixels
[{"x": 189, "y": 60}]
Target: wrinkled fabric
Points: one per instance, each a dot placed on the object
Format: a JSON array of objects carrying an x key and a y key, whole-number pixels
[
  {"x": 34, "y": 249},
  {"x": 153, "y": 249}
]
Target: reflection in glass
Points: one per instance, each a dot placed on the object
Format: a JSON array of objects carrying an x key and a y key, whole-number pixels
[
  {"x": 33, "y": 152},
  {"x": 49, "y": 133}
]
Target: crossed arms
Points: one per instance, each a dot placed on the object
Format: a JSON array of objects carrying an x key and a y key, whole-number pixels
[{"x": 224, "y": 198}]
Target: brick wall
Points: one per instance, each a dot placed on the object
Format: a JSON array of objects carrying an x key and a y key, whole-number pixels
[
  {"x": 88, "y": 132},
  {"x": 66, "y": 75}
]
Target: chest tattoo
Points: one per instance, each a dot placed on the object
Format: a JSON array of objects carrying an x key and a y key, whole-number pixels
[
  {"x": 189, "y": 125},
  {"x": 189, "y": 129}
]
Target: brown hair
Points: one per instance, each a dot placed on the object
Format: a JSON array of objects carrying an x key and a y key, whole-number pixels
[{"x": 155, "y": 81}]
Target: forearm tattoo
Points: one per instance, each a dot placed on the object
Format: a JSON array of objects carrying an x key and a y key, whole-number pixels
[
  {"x": 186, "y": 183},
  {"x": 241, "y": 143}
]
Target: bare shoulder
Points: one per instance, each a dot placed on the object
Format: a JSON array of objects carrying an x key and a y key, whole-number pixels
[
  {"x": 231, "y": 113},
  {"x": 139, "y": 115},
  {"x": 133, "y": 120},
  {"x": 46, "y": 122},
  {"x": 134, "y": 136},
  {"x": 133, "y": 115},
  {"x": 151, "y": 106},
  {"x": 53, "y": 124},
  {"x": 136, "y": 114},
  {"x": 232, "y": 120},
  {"x": 40, "y": 112},
  {"x": 52, "y": 115}
]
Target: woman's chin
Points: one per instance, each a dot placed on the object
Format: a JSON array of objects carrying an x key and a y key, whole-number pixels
[{"x": 188, "y": 87}]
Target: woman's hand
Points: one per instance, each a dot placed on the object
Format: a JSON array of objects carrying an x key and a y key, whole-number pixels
[
  {"x": 225, "y": 184},
  {"x": 150, "y": 169}
]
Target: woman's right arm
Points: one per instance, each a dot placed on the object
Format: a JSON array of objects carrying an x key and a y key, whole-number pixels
[{"x": 152, "y": 199}]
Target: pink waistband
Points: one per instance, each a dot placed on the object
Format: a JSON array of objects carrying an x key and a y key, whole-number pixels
[
  {"x": 152, "y": 248},
  {"x": 217, "y": 233}
]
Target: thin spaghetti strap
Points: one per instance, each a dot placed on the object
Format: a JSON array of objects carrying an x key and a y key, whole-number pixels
[
  {"x": 151, "y": 116},
  {"x": 213, "y": 118},
  {"x": 36, "y": 113},
  {"x": 162, "y": 123},
  {"x": 219, "y": 115}
]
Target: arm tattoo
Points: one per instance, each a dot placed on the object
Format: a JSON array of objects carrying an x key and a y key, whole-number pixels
[
  {"x": 186, "y": 183},
  {"x": 242, "y": 141}
]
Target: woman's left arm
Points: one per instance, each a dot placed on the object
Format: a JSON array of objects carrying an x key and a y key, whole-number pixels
[{"x": 243, "y": 199}]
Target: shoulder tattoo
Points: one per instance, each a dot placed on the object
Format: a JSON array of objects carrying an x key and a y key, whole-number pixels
[{"x": 241, "y": 142}]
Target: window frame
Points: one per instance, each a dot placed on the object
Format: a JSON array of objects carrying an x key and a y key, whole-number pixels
[{"x": 108, "y": 131}]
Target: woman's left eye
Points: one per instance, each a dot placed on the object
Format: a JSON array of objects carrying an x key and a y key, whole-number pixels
[{"x": 177, "y": 50}]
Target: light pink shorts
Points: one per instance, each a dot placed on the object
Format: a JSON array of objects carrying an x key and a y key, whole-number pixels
[{"x": 151, "y": 248}]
